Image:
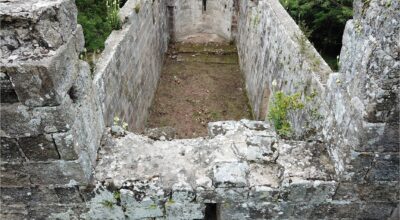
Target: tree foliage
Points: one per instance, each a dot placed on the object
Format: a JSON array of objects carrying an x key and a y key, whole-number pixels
[
  {"x": 322, "y": 20},
  {"x": 93, "y": 18}
]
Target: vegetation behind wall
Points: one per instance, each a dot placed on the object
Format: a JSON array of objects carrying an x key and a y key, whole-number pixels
[
  {"x": 93, "y": 18},
  {"x": 323, "y": 22}
]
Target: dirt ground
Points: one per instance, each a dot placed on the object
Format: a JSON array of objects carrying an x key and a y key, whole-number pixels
[{"x": 199, "y": 84}]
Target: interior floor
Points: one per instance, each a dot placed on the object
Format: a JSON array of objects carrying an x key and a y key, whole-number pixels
[{"x": 200, "y": 83}]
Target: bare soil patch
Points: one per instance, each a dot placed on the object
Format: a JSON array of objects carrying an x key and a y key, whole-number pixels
[{"x": 199, "y": 84}]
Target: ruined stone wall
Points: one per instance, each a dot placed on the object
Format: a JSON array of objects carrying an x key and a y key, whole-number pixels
[
  {"x": 127, "y": 73},
  {"x": 354, "y": 112},
  {"x": 242, "y": 169},
  {"x": 275, "y": 55},
  {"x": 190, "y": 17},
  {"x": 51, "y": 121}
]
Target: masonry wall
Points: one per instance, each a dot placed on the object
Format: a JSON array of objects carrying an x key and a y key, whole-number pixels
[
  {"x": 276, "y": 56},
  {"x": 129, "y": 68},
  {"x": 51, "y": 122},
  {"x": 354, "y": 112},
  {"x": 190, "y": 17}
]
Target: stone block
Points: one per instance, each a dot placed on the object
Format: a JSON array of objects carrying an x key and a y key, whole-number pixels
[
  {"x": 184, "y": 211},
  {"x": 221, "y": 127},
  {"x": 65, "y": 143},
  {"x": 45, "y": 81},
  {"x": 264, "y": 194},
  {"x": 379, "y": 191},
  {"x": 299, "y": 190},
  {"x": 103, "y": 205},
  {"x": 376, "y": 210},
  {"x": 328, "y": 210},
  {"x": 140, "y": 208},
  {"x": 359, "y": 165},
  {"x": 261, "y": 149},
  {"x": 57, "y": 211},
  {"x": 9, "y": 150},
  {"x": 39, "y": 148},
  {"x": 230, "y": 174},
  {"x": 263, "y": 210},
  {"x": 305, "y": 160},
  {"x": 14, "y": 212},
  {"x": 15, "y": 195},
  {"x": 183, "y": 193},
  {"x": 36, "y": 23},
  {"x": 19, "y": 120},
  {"x": 57, "y": 172},
  {"x": 386, "y": 167},
  {"x": 265, "y": 175},
  {"x": 68, "y": 195},
  {"x": 7, "y": 92},
  {"x": 231, "y": 195},
  {"x": 13, "y": 175},
  {"x": 258, "y": 126},
  {"x": 379, "y": 137},
  {"x": 234, "y": 211}
]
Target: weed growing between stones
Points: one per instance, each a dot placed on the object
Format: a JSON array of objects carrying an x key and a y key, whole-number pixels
[
  {"x": 278, "y": 112},
  {"x": 119, "y": 122},
  {"x": 107, "y": 203},
  {"x": 112, "y": 14}
]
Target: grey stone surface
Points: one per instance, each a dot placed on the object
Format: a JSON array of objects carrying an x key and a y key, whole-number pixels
[
  {"x": 344, "y": 163},
  {"x": 9, "y": 150},
  {"x": 45, "y": 81},
  {"x": 35, "y": 25},
  {"x": 190, "y": 18},
  {"x": 7, "y": 91},
  {"x": 182, "y": 175},
  {"x": 39, "y": 148},
  {"x": 19, "y": 120},
  {"x": 162, "y": 133},
  {"x": 125, "y": 76}
]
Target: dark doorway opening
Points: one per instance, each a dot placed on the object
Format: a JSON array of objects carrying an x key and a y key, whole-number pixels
[
  {"x": 211, "y": 211},
  {"x": 204, "y": 5}
]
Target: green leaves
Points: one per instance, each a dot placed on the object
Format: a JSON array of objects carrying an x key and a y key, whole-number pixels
[
  {"x": 324, "y": 20},
  {"x": 279, "y": 108},
  {"x": 95, "y": 26}
]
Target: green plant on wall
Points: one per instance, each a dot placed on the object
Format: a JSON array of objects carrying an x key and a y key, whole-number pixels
[
  {"x": 278, "y": 112},
  {"x": 113, "y": 14}
]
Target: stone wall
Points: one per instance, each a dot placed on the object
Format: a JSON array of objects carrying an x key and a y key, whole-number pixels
[
  {"x": 51, "y": 121},
  {"x": 190, "y": 17},
  {"x": 344, "y": 163},
  {"x": 354, "y": 112},
  {"x": 275, "y": 55},
  {"x": 242, "y": 168},
  {"x": 127, "y": 73}
]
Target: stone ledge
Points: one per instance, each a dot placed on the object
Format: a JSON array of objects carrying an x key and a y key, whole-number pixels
[{"x": 186, "y": 174}]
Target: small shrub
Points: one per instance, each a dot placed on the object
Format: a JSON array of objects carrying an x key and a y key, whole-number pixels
[{"x": 278, "y": 112}]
